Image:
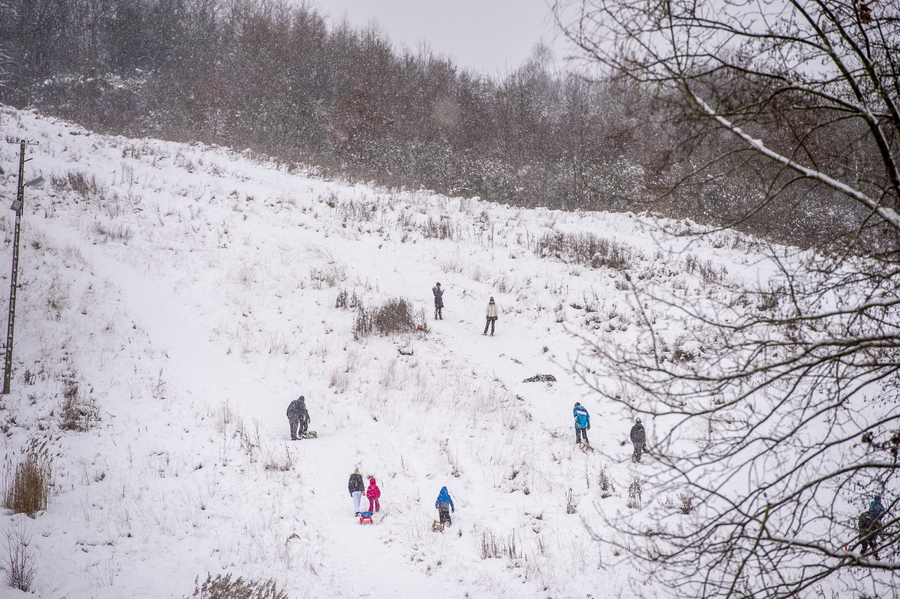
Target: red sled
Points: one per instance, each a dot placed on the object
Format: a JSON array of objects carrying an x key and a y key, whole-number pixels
[{"x": 365, "y": 518}]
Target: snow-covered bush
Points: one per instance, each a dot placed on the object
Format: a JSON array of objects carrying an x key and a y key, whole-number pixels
[{"x": 396, "y": 315}]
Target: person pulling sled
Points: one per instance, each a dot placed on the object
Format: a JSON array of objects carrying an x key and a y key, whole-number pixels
[
  {"x": 298, "y": 418},
  {"x": 445, "y": 507},
  {"x": 869, "y": 527}
]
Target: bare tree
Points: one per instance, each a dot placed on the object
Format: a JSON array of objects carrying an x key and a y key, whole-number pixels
[{"x": 783, "y": 422}]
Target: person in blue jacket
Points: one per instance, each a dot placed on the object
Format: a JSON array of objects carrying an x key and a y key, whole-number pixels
[
  {"x": 582, "y": 423},
  {"x": 876, "y": 508},
  {"x": 444, "y": 504}
]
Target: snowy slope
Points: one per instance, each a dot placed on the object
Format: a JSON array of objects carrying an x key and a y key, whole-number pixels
[{"x": 188, "y": 294}]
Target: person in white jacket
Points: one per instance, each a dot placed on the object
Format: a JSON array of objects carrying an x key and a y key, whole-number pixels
[{"x": 492, "y": 313}]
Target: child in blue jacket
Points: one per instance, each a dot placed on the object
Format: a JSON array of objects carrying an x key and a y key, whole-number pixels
[
  {"x": 582, "y": 423},
  {"x": 444, "y": 504}
]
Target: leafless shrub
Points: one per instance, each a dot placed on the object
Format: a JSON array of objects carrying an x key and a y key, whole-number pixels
[
  {"x": 502, "y": 283},
  {"x": 437, "y": 229},
  {"x": 19, "y": 559},
  {"x": 587, "y": 249},
  {"x": 138, "y": 149},
  {"x": 284, "y": 464},
  {"x": 225, "y": 415},
  {"x": 691, "y": 262},
  {"x": 491, "y": 547},
  {"x": 394, "y": 316},
  {"x": 77, "y": 413},
  {"x": 687, "y": 502},
  {"x": 80, "y": 183},
  {"x": 223, "y": 587},
  {"x": 634, "y": 494},
  {"x": 249, "y": 440},
  {"x": 681, "y": 354},
  {"x": 329, "y": 276},
  {"x": 451, "y": 458},
  {"x": 344, "y": 300},
  {"x": 769, "y": 300},
  {"x": 605, "y": 482},
  {"x": 352, "y": 210},
  {"x": 113, "y": 232},
  {"x": 708, "y": 271},
  {"x": 341, "y": 301},
  {"x": 29, "y": 490}
]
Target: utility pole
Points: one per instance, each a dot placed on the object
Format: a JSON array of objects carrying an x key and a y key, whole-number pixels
[{"x": 17, "y": 207}]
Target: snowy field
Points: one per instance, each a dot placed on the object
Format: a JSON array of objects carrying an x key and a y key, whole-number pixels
[{"x": 181, "y": 296}]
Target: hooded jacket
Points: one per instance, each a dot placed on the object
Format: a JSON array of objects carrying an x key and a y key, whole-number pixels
[
  {"x": 444, "y": 497},
  {"x": 373, "y": 492},
  {"x": 637, "y": 434},
  {"x": 297, "y": 409},
  {"x": 356, "y": 483},
  {"x": 876, "y": 509},
  {"x": 582, "y": 418}
]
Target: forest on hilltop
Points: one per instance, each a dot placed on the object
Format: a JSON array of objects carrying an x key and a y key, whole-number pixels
[{"x": 279, "y": 79}]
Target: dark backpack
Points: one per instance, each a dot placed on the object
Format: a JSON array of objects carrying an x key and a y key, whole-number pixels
[{"x": 864, "y": 522}]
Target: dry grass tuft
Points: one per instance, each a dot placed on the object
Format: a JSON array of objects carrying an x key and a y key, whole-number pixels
[
  {"x": 394, "y": 316},
  {"x": 29, "y": 489},
  {"x": 223, "y": 587}
]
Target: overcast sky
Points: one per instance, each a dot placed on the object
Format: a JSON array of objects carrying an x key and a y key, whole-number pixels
[{"x": 491, "y": 36}]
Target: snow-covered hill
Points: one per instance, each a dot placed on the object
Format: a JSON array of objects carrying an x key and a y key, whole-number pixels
[{"x": 178, "y": 297}]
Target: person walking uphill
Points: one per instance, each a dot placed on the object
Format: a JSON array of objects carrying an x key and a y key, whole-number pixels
[
  {"x": 372, "y": 494},
  {"x": 356, "y": 487},
  {"x": 876, "y": 508},
  {"x": 492, "y": 313},
  {"x": 438, "y": 301},
  {"x": 869, "y": 526},
  {"x": 444, "y": 505},
  {"x": 582, "y": 423},
  {"x": 639, "y": 438},
  {"x": 298, "y": 417}
]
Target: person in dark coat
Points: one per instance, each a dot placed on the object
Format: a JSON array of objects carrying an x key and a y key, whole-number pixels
[
  {"x": 298, "y": 417},
  {"x": 639, "y": 438},
  {"x": 356, "y": 487},
  {"x": 444, "y": 505},
  {"x": 869, "y": 528},
  {"x": 438, "y": 301},
  {"x": 492, "y": 313},
  {"x": 582, "y": 423},
  {"x": 869, "y": 525}
]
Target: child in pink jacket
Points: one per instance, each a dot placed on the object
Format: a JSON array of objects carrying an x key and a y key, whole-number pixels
[{"x": 373, "y": 493}]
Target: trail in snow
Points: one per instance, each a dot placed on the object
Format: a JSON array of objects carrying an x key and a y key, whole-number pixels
[{"x": 365, "y": 556}]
